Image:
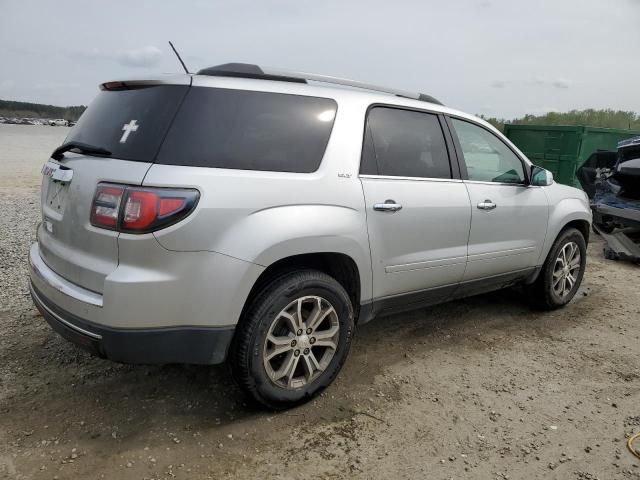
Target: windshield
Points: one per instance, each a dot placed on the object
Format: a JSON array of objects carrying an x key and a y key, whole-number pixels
[{"x": 129, "y": 123}]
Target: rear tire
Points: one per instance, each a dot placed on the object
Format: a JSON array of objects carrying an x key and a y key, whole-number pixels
[
  {"x": 561, "y": 273},
  {"x": 293, "y": 339}
]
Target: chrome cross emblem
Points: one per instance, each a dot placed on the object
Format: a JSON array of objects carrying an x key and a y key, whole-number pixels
[{"x": 132, "y": 126}]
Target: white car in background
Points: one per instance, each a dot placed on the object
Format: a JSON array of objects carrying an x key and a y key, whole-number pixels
[{"x": 58, "y": 122}]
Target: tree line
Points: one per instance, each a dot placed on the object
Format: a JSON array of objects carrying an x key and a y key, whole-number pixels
[
  {"x": 10, "y": 108},
  {"x": 606, "y": 118}
]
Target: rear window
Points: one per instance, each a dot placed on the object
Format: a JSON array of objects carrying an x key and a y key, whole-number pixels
[
  {"x": 247, "y": 130},
  {"x": 129, "y": 123}
]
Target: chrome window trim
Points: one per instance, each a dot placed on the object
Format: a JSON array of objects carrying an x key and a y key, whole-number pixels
[
  {"x": 429, "y": 110},
  {"x": 420, "y": 179},
  {"x": 481, "y": 182}
]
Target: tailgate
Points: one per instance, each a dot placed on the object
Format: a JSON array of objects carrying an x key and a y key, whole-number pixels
[
  {"x": 69, "y": 244},
  {"x": 126, "y": 122}
]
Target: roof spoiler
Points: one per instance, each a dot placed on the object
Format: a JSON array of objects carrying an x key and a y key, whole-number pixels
[
  {"x": 149, "y": 82},
  {"x": 247, "y": 70}
]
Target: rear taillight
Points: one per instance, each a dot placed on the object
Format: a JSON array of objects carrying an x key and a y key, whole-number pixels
[
  {"x": 106, "y": 206},
  {"x": 140, "y": 210}
]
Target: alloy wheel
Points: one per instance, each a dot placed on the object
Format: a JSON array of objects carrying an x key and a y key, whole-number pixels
[
  {"x": 301, "y": 341},
  {"x": 566, "y": 269}
]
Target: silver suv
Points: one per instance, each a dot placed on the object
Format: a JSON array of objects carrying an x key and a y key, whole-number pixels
[{"x": 257, "y": 217}]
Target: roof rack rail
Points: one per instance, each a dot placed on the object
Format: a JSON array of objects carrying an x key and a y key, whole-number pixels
[{"x": 246, "y": 70}]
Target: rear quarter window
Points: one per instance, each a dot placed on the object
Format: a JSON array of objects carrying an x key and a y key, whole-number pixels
[{"x": 223, "y": 128}]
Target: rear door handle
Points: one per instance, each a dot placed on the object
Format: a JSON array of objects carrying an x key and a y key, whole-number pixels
[
  {"x": 387, "y": 206},
  {"x": 487, "y": 205}
]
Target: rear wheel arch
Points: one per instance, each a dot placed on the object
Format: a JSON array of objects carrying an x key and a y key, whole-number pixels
[
  {"x": 269, "y": 347},
  {"x": 339, "y": 266}
]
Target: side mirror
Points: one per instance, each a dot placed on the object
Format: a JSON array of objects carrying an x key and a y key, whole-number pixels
[{"x": 541, "y": 177}]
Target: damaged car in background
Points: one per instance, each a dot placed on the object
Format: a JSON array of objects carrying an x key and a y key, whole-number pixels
[{"x": 612, "y": 181}]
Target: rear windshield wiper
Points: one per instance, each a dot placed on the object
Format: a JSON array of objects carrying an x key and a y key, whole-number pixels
[{"x": 58, "y": 153}]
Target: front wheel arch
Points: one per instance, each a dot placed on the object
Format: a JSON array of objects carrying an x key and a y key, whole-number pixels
[
  {"x": 582, "y": 226},
  {"x": 538, "y": 290}
]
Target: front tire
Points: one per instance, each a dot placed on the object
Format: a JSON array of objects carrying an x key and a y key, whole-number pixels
[
  {"x": 293, "y": 339},
  {"x": 561, "y": 273}
]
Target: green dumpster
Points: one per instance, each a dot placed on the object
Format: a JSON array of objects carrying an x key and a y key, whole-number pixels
[{"x": 562, "y": 149}]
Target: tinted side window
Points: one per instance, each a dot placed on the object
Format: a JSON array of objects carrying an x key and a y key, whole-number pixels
[
  {"x": 403, "y": 143},
  {"x": 249, "y": 130},
  {"x": 487, "y": 157},
  {"x": 129, "y": 123}
]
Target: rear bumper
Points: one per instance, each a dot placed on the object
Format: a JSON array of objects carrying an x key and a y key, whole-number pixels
[
  {"x": 157, "y": 306},
  {"x": 195, "y": 345}
]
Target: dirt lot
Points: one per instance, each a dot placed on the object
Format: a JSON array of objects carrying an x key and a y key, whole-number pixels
[{"x": 481, "y": 388}]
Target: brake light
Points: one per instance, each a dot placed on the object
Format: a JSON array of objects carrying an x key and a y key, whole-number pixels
[
  {"x": 106, "y": 206},
  {"x": 140, "y": 210}
]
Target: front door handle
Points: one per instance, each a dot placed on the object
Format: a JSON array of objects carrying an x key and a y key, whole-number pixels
[
  {"x": 387, "y": 206},
  {"x": 487, "y": 205}
]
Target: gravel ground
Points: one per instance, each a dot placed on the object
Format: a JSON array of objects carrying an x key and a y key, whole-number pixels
[{"x": 480, "y": 388}]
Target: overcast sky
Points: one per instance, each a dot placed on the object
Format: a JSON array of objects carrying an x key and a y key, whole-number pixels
[{"x": 494, "y": 57}]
